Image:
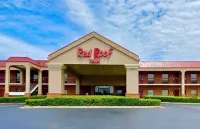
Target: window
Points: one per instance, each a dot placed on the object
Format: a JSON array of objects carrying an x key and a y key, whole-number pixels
[
  {"x": 193, "y": 92},
  {"x": 65, "y": 92},
  {"x": 18, "y": 77},
  {"x": 165, "y": 92},
  {"x": 193, "y": 78},
  {"x": 66, "y": 80},
  {"x": 119, "y": 92},
  {"x": 164, "y": 78},
  {"x": 150, "y": 92},
  {"x": 151, "y": 78},
  {"x": 105, "y": 90}
]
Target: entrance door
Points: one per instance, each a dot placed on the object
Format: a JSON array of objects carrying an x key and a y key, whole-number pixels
[
  {"x": 103, "y": 90},
  {"x": 176, "y": 92}
]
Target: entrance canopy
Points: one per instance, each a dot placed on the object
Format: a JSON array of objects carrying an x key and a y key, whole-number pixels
[{"x": 95, "y": 61}]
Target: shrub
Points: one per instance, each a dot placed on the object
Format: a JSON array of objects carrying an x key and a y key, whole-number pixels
[
  {"x": 38, "y": 97},
  {"x": 92, "y": 101},
  {"x": 174, "y": 99},
  {"x": 13, "y": 99},
  {"x": 19, "y": 99}
]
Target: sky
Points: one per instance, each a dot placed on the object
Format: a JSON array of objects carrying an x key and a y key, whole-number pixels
[{"x": 156, "y": 30}]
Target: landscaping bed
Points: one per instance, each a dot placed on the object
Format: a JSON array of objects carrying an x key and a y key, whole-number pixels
[
  {"x": 92, "y": 101},
  {"x": 20, "y": 99},
  {"x": 175, "y": 99}
]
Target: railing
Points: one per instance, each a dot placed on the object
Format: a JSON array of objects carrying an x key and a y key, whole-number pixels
[
  {"x": 160, "y": 81},
  {"x": 33, "y": 87},
  {"x": 12, "y": 79}
]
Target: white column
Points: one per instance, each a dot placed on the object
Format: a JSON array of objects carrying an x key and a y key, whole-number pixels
[
  {"x": 39, "y": 82},
  {"x": 28, "y": 73},
  {"x": 21, "y": 77},
  {"x": 77, "y": 86},
  {"x": 132, "y": 87},
  {"x": 183, "y": 83},
  {"x": 7, "y": 86}
]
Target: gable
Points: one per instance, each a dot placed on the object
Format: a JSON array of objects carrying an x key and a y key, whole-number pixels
[{"x": 110, "y": 52}]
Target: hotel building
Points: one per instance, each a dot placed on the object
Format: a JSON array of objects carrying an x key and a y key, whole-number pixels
[{"x": 95, "y": 65}]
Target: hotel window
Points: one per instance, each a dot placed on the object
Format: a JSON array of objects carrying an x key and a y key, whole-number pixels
[
  {"x": 35, "y": 78},
  {"x": 165, "y": 78},
  {"x": 150, "y": 78},
  {"x": 18, "y": 77},
  {"x": 193, "y": 92},
  {"x": 66, "y": 80},
  {"x": 194, "y": 78},
  {"x": 165, "y": 92},
  {"x": 150, "y": 92}
]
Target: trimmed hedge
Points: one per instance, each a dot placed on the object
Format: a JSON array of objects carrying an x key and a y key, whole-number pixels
[
  {"x": 20, "y": 99},
  {"x": 92, "y": 101},
  {"x": 174, "y": 99},
  {"x": 38, "y": 97},
  {"x": 13, "y": 99}
]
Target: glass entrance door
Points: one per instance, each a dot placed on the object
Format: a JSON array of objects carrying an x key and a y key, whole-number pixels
[{"x": 104, "y": 90}]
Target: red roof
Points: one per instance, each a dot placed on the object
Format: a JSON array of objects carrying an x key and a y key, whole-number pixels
[
  {"x": 143, "y": 64},
  {"x": 2, "y": 63},
  {"x": 40, "y": 63},
  {"x": 170, "y": 64}
]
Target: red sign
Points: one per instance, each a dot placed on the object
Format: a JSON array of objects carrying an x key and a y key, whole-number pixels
[{"x": 97, "y": 54}]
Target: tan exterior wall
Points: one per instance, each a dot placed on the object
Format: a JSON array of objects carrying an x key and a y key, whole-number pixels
[
  {"x": 56, "y": 79},
  {"x": 70, "y": 56}
]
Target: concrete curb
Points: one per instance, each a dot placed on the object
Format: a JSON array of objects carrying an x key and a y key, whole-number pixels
[
  {"x": 93, "y": 107},
  {"x": 11, "y": 103},
  {"x": 179, "y": 103}
]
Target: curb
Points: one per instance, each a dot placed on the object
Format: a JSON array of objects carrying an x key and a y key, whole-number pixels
[
  {"x": 179, "y": 103},
  {"x": 11, "y": 103},
  {"x": 28, "y": 107}
]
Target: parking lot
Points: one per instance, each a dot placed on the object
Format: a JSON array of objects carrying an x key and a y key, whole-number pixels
[{"x": 173, "y": 116}]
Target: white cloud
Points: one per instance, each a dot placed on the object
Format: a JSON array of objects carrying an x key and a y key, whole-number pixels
[
  {"x": 174, "y": 35},
  {"x": 13, "y": 47},
  {"x": 80, "y": 13}
]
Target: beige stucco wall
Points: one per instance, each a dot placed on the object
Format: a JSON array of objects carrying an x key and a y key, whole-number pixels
[
  {"x": 102, "y": 80},
  {"x": 56, "y": 79},
  {"x": 70, "y": 56},
  {"x": 132, "y": 73}
]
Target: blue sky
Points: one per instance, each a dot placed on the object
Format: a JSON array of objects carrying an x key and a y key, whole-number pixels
[{"x": 153, "y": 29}]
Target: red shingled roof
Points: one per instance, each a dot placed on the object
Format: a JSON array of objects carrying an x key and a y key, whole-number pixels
[
  {"x": 170, "y": 64},
  {"x": 40, "y": 63},
  {"x": 2, "y": 63},
  {"x": 143, "y": 64}
]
